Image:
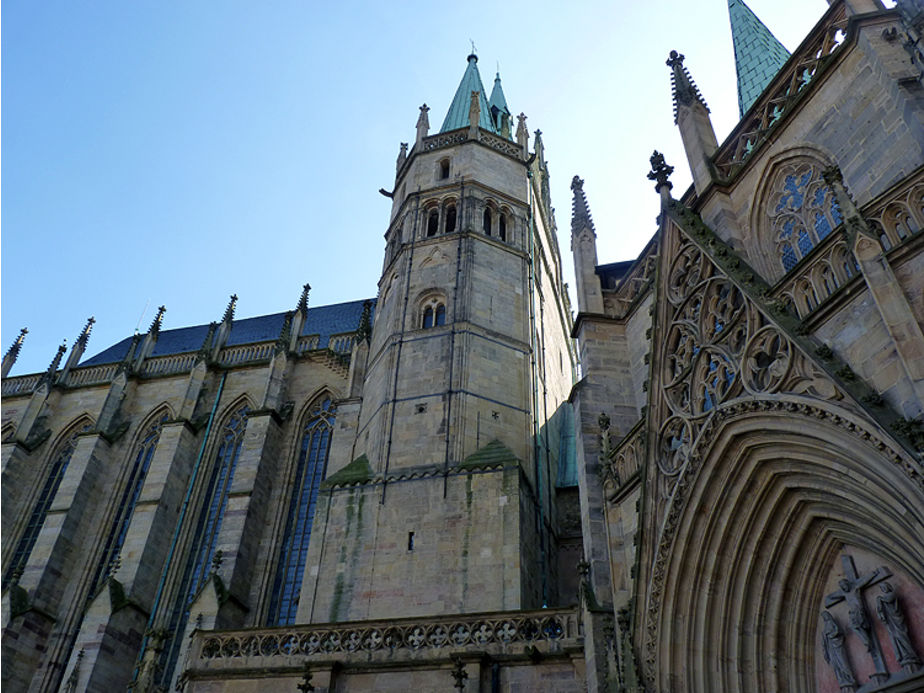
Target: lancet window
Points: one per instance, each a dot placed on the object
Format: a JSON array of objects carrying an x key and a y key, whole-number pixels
[
  {"x": 433, "y": 222},
  {"x": 802, "y": 212},
  {"x": 433, "y": 313},
  {"x": 486, "y": 221},
  {"x": 310, "y": 471},
  {"x": 140, "y": 463},
  {"x": 450, "y": 225},
  {"x": 205, "y": 537},
  {"x": 60, "y": 459},
  {"x": 502, "y": 226},
  {"x": 444, "y": 169}
]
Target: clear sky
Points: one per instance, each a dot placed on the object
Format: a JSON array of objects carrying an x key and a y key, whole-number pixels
[{"x": 176, "y": 152}]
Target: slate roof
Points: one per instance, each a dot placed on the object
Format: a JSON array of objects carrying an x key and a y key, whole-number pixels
[
  {"x": 457, "y": 116},
  {"x": 758, "y": 53},
  {"x": 324, "y": 320}
]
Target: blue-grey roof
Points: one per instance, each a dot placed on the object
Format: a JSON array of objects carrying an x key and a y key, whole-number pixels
[
  {"x": 457, "y": 116},
  {"x": 323, "y": 320},
  {"x": 758, "y": 53}
]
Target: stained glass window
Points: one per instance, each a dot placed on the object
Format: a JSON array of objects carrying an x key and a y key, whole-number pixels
[
  {"x": 309, "y": 472},
  {"x": 60, "y": 460},
  {"x": 205, "y": 538},
  {"x": 803, "y": 211},
  {"x": 141, "y": 462}
]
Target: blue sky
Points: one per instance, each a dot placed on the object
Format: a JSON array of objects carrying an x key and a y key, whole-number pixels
[{"x": 174, "y": 153}]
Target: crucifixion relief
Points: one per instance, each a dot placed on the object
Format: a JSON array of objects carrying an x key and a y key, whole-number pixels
[{"x": 859, "y": 620}]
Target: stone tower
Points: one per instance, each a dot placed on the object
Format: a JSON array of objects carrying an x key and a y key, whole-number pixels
[{"x": 445, "y": 499}]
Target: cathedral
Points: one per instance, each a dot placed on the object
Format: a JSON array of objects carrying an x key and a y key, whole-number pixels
[{"x": 708, "y": 475}]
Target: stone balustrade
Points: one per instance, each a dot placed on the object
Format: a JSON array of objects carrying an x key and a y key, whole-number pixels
[
  {"x": 490, "y": 632},
  {"x": 20, "y": 385},
  {"x": 246, "y": 353},
  {"x": 169, "y": 365},
  {"x": 94, "y": 375}
]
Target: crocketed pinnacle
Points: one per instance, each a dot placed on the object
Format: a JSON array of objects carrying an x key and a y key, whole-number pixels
[
  {"x": 157, "y": 321},
  {"x": 84, "y": 335},
  {"x": 580, "y": 212},
  {"x": 302, "y": 306},
  {"x": 16, "y": 346},
  {"x": 500, "y": 114},
  {"x": 685, "y": 91},
  {"x": 55, "y": 363},
  {"x": 758, "y": 53},
  {"x": 457, "y": 116},
  {"x": 364, "y": 329},
  {"x": 229, "y": 311}
]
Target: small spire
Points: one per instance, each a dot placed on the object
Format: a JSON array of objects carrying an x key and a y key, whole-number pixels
[
  {"x": 580, "y": 212},
  {"x": 685, "y": 91},
  {"x": 302, "y": 306},
  {"x": 229, "y": 311},
  {"x": 402, "y": 157},
  {"x": 522, "y": 132},
  {"x": 13, "y": 352},
  {"x": 84, "y": 335},
  {"x": 285, "y": 334},
  {"x": 206, "y": 349},
  {"x": 364, "y": 330},
  {"x": 49, "y": 375},
  {"x": 158, "y": 320}
]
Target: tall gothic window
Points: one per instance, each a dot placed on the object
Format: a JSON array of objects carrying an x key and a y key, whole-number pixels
[
  {"x": 60, "y": 460},
  {"x": 309, "y": 472},
  {"x": 433, "y": 222},
  {"x": 141, "y": 462},
  {"x": 502, "y": 227},
  {"x": 486, "y": 221},
  {"x": 205, "y": 538},
  {"x": 802, "y": 212}
]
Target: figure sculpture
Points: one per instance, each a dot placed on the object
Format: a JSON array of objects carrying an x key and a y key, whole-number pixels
[
  {"x": 835, "y": 654},
  {"x": 890, "y": 614}
]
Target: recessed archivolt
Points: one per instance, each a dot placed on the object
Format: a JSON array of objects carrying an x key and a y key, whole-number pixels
[{"x": 762, "y": 523}]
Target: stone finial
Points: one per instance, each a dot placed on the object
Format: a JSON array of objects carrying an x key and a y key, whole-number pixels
[
  {"x": 364, "y": 330},
  {"x": 9, "y": 358},
  {"x": 423, "y": 124},
  {"x": 216, "y": 561},
  {"x": 685, "y": 90},
  {"x": 402, "y": 157},
  {"x": 522, "y": 132},
  {"x": 157, "y": 321},
  {"x": 302, "y": 306},
  {"x": 603, "y": 421},
  {"x": 580, "y": 211},
  {"x": 660, "y": 171},
  {"x": 229, "y": 311}
]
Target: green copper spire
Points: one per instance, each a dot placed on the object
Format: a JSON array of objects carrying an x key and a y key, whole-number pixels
[
  {"x": 498, "y": 104},
  {"x": 457, "y": 117},
  {"x": 758, "y": 54}
]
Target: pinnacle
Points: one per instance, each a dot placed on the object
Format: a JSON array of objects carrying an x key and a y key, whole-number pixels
[
  {"x": 685, "y": 90},
  {"x": 580, "y": 211},
  {"x": 229, "y": 311}
]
